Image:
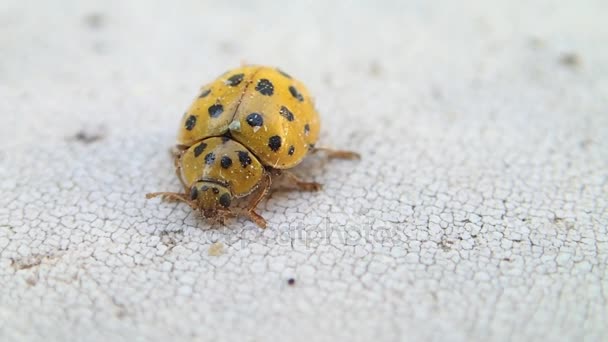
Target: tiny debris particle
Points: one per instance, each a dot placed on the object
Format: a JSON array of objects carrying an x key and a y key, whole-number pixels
[
  {"x": 536, "y": 42},
  {"x": 570, "y": 59},
  {"x": 375, "y": 69},
  {"x": 216, "y": 249},
  {"x": 27, "y": 262},
  {"x": 586, "y": 143},
  {"x": 291, "y": 282},
  {"x": 94, "y": 20},
  {"x": 120, "y": 314},
  {"x": 88, "y": 137}
]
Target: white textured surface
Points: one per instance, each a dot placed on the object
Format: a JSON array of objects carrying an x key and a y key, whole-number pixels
[{"x": 478, "y": 212}]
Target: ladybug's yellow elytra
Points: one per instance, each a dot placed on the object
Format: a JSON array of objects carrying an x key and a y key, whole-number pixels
[
  {"x": 264, "y": 108},
  {"x": 244, "y": 127}
]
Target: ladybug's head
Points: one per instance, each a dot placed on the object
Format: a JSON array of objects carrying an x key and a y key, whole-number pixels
[{"x": 211, "y": 197}]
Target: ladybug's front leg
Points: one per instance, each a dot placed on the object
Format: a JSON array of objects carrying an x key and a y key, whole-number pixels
[
  {"x": 172, "y": 196},
  {"x": 337, "y": 154},
  {"x": 177, "y": 152},
  {"x": 262, "y": 191}
]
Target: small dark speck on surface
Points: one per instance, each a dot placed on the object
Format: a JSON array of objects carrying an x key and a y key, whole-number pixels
[
  {"x": 436, "y": 92},
  {"x": 291, "y": 282},
  {"x": 375, "y": 69},
  {"x": 94, "y": 20},
  {"x": 87, "y": 137},
  {"x": 228, "y": 47},
  {"x": 536, "y": 42},
  {"x": 121, "y": 313},
  {"x": 586, "y": 143},
  {"x": 570, "y": 59}
]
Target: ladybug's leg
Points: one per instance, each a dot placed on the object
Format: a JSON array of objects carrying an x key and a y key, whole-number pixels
[
  {"x": 298, "y": 183},
  {"x": 337, "y": 154},
  {"x": 177, "y": 152},
  {"x": 172, "y": 196},
  {"x": 223, "y": 214},
  {"x": 179, "y": 176},
  {"x": 253, "y": 203}
]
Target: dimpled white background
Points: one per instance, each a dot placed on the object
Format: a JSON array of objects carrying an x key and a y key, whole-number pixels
[{"x": 478, "y": 211}]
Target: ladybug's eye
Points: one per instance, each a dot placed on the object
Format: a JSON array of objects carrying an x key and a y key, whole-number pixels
[
  {"x": 225, "y": 200},
  {"x": 193, "y": 193}
]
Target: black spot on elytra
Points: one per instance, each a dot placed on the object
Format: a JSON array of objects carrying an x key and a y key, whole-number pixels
[
  {"x": 295, "y": 93},
  {"x": 265, "y": 87},
  {"x": 215, "y": 190},
  {"x": 244, "y": 158},
  {"x": 306, "y": 129},
  {"x": 199, "y": 149},
  {"x": 286, "y": 113},
  {"x": 204, "y": 93},
  {"x": 226, "y": 162},
  {"x": 209, "y": 158},
  {"x": 292, "y": 149},
  {"x": 255, "y": 119},
  {"x": 193, "y": 193},
  {"x": 215, "y": 110},
  {"x": 225, "y": 200},
  {"x": 234, "y": 80},
  {"x": 275, "y": 143},
  {"x": 190, "y": 122},
  {"x": 283, "y": 73}
]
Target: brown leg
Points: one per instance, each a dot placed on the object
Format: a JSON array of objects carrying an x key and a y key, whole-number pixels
[
  {"x": 337, "y": 154},
  {"x": 172, "y": 196},
  {"x": 299, "y": 183},
  {"x": 223, "y": 214},
  {"x": 178, "y": 173},
  {"x": 253, "y": 203},
  {"x": 177, "y": 152}
]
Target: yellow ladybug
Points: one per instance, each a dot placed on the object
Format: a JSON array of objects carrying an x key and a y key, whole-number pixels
[{"x": 249, "y": 125}]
